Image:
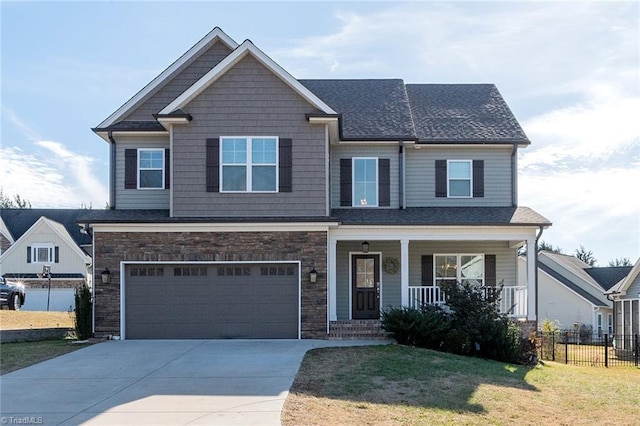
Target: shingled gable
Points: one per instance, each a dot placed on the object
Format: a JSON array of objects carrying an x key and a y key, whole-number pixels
[
  {"x": 206, "y": 42},
  {"x": 246, "y": 48}
]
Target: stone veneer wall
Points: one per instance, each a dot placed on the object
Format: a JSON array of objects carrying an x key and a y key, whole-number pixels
[{"x": 310, "y": 248}]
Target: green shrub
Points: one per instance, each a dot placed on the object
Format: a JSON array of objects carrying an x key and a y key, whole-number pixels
[
  {"x": 83, "y": 312},
  {"x": 426, "y": 327}
]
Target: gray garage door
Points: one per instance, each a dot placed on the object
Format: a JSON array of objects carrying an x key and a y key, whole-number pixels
[{"x": 201, "y": 301}]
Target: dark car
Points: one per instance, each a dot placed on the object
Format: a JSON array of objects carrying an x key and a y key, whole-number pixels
[{"x": 12, "y": 295}]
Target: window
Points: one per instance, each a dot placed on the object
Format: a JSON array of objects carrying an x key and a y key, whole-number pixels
[
  {"x": 610, "y": 323},
  {"x": 365, "y": 182},
  {"x": 459, "y": 178},
  {"x": 599, "y": 325},
  {"x": 464, "y": 268},
  {"x": 249, "y": 164},
  {"x": 42, "y": 253},
  {"x": 151, "y": 168}
]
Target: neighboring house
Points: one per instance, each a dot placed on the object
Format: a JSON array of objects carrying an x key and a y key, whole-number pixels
[
  {"x": 572, "y": 293},
  {"x": 626, "y": 296},
  {"x": 31, "y": 239},
  {"x": 246, "y": 203}
]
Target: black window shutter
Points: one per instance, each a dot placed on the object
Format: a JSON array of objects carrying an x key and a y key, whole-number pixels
[
  {"x": 345, "y": 182},
  {"x": 490, "y": 270},
  {"x": 57, "y": 254},
  {"x": 213, "y": 165},
  {"x": 167, "y": 169},
  {"x": 384, "y": 182},
  {"x": 441, "y": 178},
  {"x": 285, "y": 165},
  {"x": 130, "y": 168},
  {"x": 427, "y": 269},
  {"x": 29, "y": 254},
  {"x": 478, "y": 178}
]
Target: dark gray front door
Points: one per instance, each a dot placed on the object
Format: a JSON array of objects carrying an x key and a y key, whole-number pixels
[
  {"x": 200, "y": 301},
  {"x": 365, "y": 282}
]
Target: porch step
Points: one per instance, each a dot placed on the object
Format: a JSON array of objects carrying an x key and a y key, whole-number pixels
[{"x": 357, "y": 330}]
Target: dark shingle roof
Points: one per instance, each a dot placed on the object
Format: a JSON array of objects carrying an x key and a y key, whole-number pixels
[
  {"x": 18, "y": 221},
  {"x": 569, "y": 284},
  {"x": 462, "y": 113},
  {"x": 162, "y": 216},
  {"x": 441, "y": 216},
  {"x": 370, "y": 109},
  {"x": 608, "y": 276},
  {"x": 133, "y": 126}
]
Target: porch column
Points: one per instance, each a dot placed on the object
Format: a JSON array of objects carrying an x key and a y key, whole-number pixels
[
  {"x": 404, "y": 272},
  {"x": 532, "y": 294},
  {"x": 331, "y": 281}
]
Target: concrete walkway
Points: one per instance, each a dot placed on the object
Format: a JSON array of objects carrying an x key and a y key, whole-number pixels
[{"x": 175, "y": 382}]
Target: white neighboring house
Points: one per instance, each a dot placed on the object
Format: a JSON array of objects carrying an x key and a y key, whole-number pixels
[
  {"x": 626, "y": 296},
  {"x": 32, "y": 239},
  {"x": 572, "y": 293}
]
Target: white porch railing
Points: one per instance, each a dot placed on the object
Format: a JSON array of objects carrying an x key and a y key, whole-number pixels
[{"x": 513, "y": 299}]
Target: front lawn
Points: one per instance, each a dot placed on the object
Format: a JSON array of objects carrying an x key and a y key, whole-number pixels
[
  {"x": 401, "y": 385},
  {"x": 14, "y": 356}
]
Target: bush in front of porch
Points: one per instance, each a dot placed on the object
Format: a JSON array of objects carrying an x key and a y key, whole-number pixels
[{"x": 469, "y": 324}]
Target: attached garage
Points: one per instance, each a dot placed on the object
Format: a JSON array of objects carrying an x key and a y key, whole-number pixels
[{"x": 211, "y": 301}]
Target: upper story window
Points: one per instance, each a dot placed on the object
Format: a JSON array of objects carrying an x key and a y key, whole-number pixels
[
  {"x": 365, "y": 182},
  {"x": 249, "y": 164},
  {"x": 151, "y": 168},
  {"x": 459, "y": 178},
  {"x": 42, "y": 253}
]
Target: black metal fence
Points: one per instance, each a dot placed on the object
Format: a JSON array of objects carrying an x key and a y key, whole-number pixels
[{"x": 574, "y": 347}]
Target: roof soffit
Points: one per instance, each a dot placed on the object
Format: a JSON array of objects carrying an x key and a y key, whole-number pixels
[
  {"x": 246, "y": 48},
  {"x": 216, "y": 35}
]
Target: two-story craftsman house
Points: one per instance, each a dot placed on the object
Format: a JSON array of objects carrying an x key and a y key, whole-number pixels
[{"x": 249, "y": 204}]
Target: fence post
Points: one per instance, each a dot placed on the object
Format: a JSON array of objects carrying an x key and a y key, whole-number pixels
[
  {"x": 566, "y": 348},
  {"x": 553, "y": 346},
  {"x": 637, "y": 348},
  {"x": 606, "y": 351}
]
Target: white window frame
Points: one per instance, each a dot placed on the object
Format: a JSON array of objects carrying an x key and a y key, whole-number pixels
[
  {"x": 450, "y": 179},
  {"x": 354, "y": 201},
  {"x": 249, "y": 165},
  {"x": 458, "y": 276},
  {"x": 599, "y": 324},
  {"x": 610, "y": 324},
  {"x": 140, "y": 169},
  {"x": 50, "y": 252}
]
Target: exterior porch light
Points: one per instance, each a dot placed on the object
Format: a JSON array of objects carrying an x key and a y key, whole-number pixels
[
  {"x": 365, "y": 246},
  {"x": 106, "y": 276},
  {"x": 313, "y": 275}
]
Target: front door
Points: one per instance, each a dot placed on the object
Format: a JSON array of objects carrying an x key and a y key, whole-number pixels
[{"x": 365, "y": 282}]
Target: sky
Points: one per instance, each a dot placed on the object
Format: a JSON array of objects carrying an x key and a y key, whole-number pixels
[{"x": 570, "y": 71}]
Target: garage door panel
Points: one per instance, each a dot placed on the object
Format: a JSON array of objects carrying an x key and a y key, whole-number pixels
[{"x": 240, "y": 303}]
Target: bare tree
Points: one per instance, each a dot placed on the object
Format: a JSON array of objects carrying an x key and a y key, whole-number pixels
[
  {"x": 16, "y": 203},
  {"x": 622, "y": 261}
]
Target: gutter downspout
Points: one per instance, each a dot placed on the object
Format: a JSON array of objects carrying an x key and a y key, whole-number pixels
[
  {"x": 535, "y": 259},
  {"x": 401, "y": 175},
  {"x": 112, "y": 171},
  {"x": 514, "y": 176}
]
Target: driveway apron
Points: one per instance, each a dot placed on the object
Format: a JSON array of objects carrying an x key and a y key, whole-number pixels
[{"x": 174, "y": 382}]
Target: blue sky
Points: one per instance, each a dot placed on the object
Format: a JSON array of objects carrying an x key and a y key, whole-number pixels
[{"x": 569, "y": 71}]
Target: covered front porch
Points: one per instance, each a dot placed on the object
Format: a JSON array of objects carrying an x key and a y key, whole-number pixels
[{"x": 373, "y": 268}]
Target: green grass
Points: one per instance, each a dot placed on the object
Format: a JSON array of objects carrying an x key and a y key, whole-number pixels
[
  {"x": 14, "y": 356},
  {"x": 402, "y": 385}
]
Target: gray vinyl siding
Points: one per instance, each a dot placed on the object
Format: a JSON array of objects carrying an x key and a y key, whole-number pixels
[
  {"x": 506, "y": 265},
  {"x": 249, "y": 100},
  {"x": 390, "y": 283},
  {"x": 421, "y": 184},
  {"x": 183, "y": 78},
  {"x": 130, "y": 199},
  {"x": 634, "y": 289},
  {"x": 363, "y": 150},
  {"x": 584, "y": 281}
]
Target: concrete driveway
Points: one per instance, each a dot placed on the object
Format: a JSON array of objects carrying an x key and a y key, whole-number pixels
[{"x": 176, "y": 382}]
